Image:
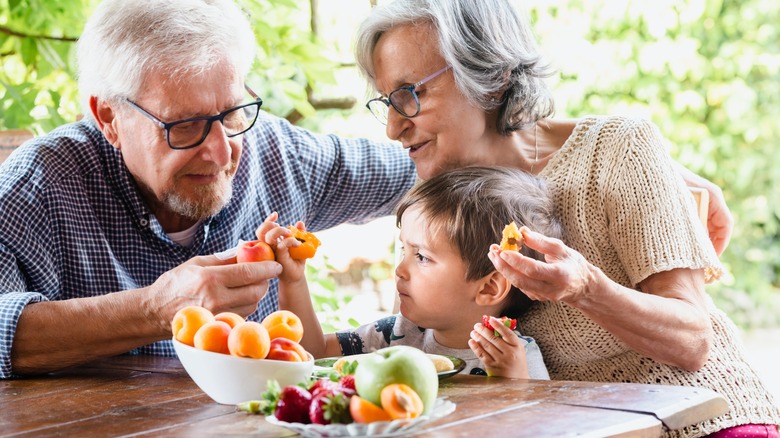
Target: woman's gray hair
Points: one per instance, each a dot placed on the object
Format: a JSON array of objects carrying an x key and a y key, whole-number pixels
[
  {"x": 126, "y": 40},
  {"x": 489, "y": 45}
]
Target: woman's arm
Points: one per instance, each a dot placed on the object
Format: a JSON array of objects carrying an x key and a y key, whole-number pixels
[{"x": 667, "y": 321}]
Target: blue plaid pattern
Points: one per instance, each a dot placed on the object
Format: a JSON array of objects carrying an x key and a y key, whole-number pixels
[{"x": 72, "y": 223}]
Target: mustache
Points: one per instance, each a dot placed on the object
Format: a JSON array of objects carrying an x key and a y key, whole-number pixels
[{"x": 212, "y": 169}]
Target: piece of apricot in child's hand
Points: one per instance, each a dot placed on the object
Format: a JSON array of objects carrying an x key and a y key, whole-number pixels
[
  {"x": 508, "y": 322},
  {"x": 512, "y": 239},
  {"x": 308, "y": 246}
]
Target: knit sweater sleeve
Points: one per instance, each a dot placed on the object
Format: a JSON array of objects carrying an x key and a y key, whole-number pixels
[{"x": 654, "y": 226}]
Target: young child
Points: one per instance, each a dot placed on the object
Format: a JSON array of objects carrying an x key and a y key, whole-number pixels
[{"x": 445, "y": 281}]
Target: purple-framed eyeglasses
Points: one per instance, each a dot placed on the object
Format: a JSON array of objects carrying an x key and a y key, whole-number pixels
[{"x": 403, "y": 99}]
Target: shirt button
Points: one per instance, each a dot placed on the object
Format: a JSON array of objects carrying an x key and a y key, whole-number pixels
[{"x": 143, "y": 222}]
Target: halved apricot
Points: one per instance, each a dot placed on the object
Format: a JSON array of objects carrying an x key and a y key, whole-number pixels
[
  {"x": 401, "y": 401},
  {"x": 308, "y": 246},
  {"x": 363, "y": 411},
  {"x": 512, "y": 239}
]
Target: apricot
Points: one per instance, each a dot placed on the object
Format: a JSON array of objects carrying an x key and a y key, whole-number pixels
[
  {"x": 308, "y": 246},
  {"x": 284, "y": 324},
  {"x": 249, "y": 339},
  {"x": 363, "y": 411},
  {"x": 213, "y": 336},
  {"x": 285, "y": 349},
  {"x": 401, "y": 401},
  {"x": 187, "y": 321},
  {"x": 232, "y": 319},
  {"x": 254, "y": 251},
  {"x": 512, "y": 239}
]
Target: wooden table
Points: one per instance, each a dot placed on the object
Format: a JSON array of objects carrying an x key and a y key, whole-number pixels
[{"x": 154, "y": 396}]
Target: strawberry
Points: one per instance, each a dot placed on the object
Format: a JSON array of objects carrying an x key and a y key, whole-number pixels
[
  {"x": 348, "y": 383},
  {"x": 511, "y": 323},
  {"x": 328, "y": 408},
  {"x": 293, "y": 405},
  {"x": 322, "y": 385}
]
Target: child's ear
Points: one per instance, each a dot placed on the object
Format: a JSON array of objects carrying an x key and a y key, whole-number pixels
[{"x": 495, "y": 288}]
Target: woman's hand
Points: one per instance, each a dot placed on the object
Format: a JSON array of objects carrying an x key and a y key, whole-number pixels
[
  {"x": 566, "y": 276},
  {"x": 720, "y": 223},
  {"x": 503, "y": 356},
  {"x": 667, "y": 321}
]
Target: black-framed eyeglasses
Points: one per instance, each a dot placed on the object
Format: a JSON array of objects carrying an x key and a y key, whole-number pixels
[
  {"x": 189, "y": 133},
  {"x": 404, "y": 100}
]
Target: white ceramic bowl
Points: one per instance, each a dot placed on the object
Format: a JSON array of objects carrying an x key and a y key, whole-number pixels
[{"x": 230, "y": 380}]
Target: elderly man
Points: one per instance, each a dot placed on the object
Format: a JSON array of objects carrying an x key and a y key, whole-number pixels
[{"x": 108, "y": 225}]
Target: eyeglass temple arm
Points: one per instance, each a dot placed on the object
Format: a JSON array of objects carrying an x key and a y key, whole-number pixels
[
  {"x": 431, "y": 76},
  {"x": 251, "y": 93}
]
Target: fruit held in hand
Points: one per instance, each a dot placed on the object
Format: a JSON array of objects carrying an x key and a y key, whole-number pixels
[
  {"x": 508, "y": 322},
  {"x": 308, "y": 246},
  {"x": 249, "y": 339},
  {"x": 254, "y": 251},
  {"x": 187, "y": 321},
  {"x": 397, "y": 364},
  {"x": 512, "y": 239},
  {"x": 284, "y": 324},
  {"x": 285, "y": 349}
]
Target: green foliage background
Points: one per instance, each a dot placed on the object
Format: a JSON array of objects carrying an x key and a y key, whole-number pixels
[{"x": 706, "y": 71}]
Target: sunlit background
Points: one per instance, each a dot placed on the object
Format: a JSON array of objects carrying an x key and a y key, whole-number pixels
[{"x": 707, "y": 72}]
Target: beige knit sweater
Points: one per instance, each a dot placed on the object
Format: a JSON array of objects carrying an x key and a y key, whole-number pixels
[{"x": 628, "y": 212}]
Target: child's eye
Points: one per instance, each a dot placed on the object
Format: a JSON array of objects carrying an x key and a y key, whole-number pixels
[{"x": 421, "y": 258}]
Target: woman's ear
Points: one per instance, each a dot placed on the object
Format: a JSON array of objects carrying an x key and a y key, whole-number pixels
[
  {"x": 105, "y": 117},
  {"x": 495, "y": 288}
]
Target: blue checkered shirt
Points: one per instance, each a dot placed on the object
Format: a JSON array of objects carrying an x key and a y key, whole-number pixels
[{"x": 73, "y": 224}]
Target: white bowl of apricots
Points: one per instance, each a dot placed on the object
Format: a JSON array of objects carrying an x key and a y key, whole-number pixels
[{"x": 231, "y": 359}]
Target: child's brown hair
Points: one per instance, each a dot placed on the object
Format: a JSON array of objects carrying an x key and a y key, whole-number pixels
[{"x": 470, "y": 207}]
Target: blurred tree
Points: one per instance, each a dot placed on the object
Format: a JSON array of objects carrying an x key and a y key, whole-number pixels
[
  {"x": 708, "y": 73},
  {"x": 37, "y": 49}
]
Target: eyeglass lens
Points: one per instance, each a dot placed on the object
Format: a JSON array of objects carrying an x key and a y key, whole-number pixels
[
  {"x": 188, "y": 133},
  {"x": 404, "y": 100}
]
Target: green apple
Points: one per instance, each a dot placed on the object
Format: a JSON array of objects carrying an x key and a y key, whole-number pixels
[{"x": 397, "y": 364}]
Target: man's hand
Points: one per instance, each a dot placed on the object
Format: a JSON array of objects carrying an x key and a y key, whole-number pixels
[{"x": 218, "y": 285}]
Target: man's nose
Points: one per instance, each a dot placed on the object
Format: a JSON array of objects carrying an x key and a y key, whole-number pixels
[{"x": 216, "y": 146}]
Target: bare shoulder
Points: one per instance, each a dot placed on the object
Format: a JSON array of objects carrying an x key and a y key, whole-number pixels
[{"x": 557, "y": 131}]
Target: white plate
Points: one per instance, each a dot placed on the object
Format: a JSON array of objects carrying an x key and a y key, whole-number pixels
[{"x": 441, "y": 408}]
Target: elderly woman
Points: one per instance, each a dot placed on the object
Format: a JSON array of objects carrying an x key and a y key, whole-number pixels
[{"x": 623, "y": 300}]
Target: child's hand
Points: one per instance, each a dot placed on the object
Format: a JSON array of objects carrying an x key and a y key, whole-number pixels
[
  {"x": 281, "y": 240},
  {"x": 503, "y": 356}
]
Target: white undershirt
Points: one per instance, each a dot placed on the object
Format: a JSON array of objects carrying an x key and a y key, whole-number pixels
[{"x": 185, "y": 237}]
